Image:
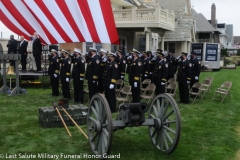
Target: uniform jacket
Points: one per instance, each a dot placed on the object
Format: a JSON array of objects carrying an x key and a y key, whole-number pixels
[
  {"x": 135, "y": 70},
  {"x": 65, "y": 68},
  {"x": 110, "y": 73},
  {"x": 121, "y": 67},
  {"x": 102, "y": 66},
  {"x": 145, "y": 66},
  {"x": 93, "y": 68},
  {"x": 171, "y": 64},
  {"x": 160, "y": 72},
  {"x": 23, "y": 47},
  {"x": 196, "y": 67},
  {"x": 184, "y": 71},
  {"x": 53, "y": 66},
  {"x": 78, "y": 67}
]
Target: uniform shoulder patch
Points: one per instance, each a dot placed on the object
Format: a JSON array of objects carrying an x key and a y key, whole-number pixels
[
  {"x": 166, "y": 65},
  {"x": 139, "y": 63},
  {"x": 190, "y": 64},
  {"x": 124, "y": 61},
  {"x": 116, "y": 65},
  {"x": 97, "y": 61}
]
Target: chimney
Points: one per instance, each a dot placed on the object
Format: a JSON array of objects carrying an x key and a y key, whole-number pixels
[{"x": 213, "y": 15}]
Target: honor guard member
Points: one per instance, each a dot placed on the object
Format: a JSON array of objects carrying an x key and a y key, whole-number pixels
[
  {"x": 103, "y": 56},
  {"x": 196, "y": 69},
  {"x": 160, "y": 74},
  {"x": 128, "y": 59},
  {"x": 121, "y": 64},
  {"x": 110, "y": 76},
  {"x": 65, "y": 74},
  {"x": 92, "y": 72},
  {"x": 184, "y": 78},
  {"x": 78, "y": 76},
  {"x": 152, "y": 62},
  {"x": 135, "y": 70},
  {"x": 53, "y": 72},
  {"x": 171, "y": 65},
  {"x": 145, "y": 67}
]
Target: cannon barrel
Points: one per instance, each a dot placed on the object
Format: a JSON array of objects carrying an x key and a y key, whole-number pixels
[{"x": 135, "y": 108}]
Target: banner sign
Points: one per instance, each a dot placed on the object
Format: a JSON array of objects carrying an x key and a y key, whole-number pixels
[
  {"x": 198, "y": 49},
  {"x": 211, "y": 52}
]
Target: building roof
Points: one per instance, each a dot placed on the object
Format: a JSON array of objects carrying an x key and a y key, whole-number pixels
[
  {"x": 236, "y": 39},
  {"x": 229, "y": 32},
  {"x": 202, "y": 24},
  {"x": 178, "y": 7}
]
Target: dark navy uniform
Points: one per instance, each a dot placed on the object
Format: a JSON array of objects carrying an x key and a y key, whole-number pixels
[
  {"x": 92, "y": 74},
  {"x": 100, "y": 78},
  {"x": 78, "y": 77},
  {"x": 171, "y": 66},
  {"x": 135, "y": 71},
  {"x": 65, "y": 73},
  {"x": 160, "y": 76},
  {"x": 184, "y": 75},
  {"x": 145, "y": 69},
  {"x": 128, "y": 62},
  {"x": 121, "y": 67},
  {"x": 110, "y": 76},
  {"x": 151, "y": 67},
  {"x": 196, "y": 69},
  {"x": 53, "y": 72}
]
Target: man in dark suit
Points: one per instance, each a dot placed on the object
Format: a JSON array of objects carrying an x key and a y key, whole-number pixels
[
  {"x": 12, "y": 48},
  {"x": 23, "y": 51},
  {"x": 37, "y": 51}
]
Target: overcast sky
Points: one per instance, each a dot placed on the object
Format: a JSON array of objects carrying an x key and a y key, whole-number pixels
[{"x": 227, "y": 11}]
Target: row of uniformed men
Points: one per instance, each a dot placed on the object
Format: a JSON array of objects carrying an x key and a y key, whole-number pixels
[{"x": 107, "y": 69}]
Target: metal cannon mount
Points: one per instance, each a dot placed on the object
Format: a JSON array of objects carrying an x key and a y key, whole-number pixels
[{"x": 164, "y": 124}]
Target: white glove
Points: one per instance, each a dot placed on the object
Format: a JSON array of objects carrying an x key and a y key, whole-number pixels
[
  {"x": 67, "y": 79},
  {"x": 55, "y": 75},
  {"x": 145, "y": 75},
  {"x": 111, "y": 86},
  {"x": 122, "y": 77},
  {"x": 162, "y": 83},
  {"x": 81, "y": 79},
  {"x": 94, "y": 81},
  {"x": 135, "y": 84},
  {"x": 150, "y": 72},
  {"x": 196, "y": 78},
  {"x": 188, "y": 82}
]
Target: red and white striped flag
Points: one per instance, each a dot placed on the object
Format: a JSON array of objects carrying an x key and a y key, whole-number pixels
[{"x": 61, "y": 21}]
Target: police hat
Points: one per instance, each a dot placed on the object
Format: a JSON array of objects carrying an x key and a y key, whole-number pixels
[
  {"x": 77, "y": 50},
  {"x": 120, "y": 51},
  {"x": 111, "y": 54},
  {"x": 161, "y": 54},
  {"x": 53, "y": 50},
  {"x": 193, "y": 53},
  {"x": 65, "y": 51},
  {"x": 149, "y": 52},
  {"x": 92, "y": 49},
  {"x": 137, "y": 52},
  {"x": 103, "y": 50},
  {"x": 184, "y": 53},
  {"x": 159, "y": 50}
]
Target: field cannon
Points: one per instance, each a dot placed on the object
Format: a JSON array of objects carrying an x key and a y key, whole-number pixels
[{"x": 163, "y": 121}]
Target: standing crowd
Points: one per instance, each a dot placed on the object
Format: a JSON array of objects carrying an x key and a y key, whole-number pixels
[{"x": 102, "y": 70}]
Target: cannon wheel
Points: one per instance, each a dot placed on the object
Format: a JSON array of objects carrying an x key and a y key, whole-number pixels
[
  {"x": 165, "y": 133},
  {"x": 99, "y": 125}
]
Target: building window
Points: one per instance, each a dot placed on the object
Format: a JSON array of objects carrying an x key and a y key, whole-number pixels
[
  {"x": 98, "y": 46},
  {"x": 88, "y": 45},
  {"x": 204, "y": 35},
  {"x": 142, "y": 44},
  {"x": 171, "y": 47}
]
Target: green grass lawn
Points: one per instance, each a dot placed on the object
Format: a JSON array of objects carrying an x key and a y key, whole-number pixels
[{"x": 210, "y": 130}]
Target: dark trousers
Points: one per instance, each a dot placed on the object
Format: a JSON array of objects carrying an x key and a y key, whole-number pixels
[
  {"x": 78, "y": 90},
  {"x": 136, "y": 92},
  {"x": 92, "y": 87},
  {"x": 23, "y": 61},
  {"x": 192, "y": 83},
  {"x": 110, "y": 96},
  {"x": 159, "y": 89},
  {"x": 170, "y": 76},
  {"x": 183, "y": 92},
  {"x": 38, "y": 61},
  {"x": 65, "y": 88},
  {"x": 143, "y": 78},
  {"x": 54, "y": 84},
  {"x": 100, "y": 86}
]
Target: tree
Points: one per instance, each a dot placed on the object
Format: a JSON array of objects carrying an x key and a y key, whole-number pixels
[
  {"x": 224, "y": 52},
  {"x": 238, "y": 52}
]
